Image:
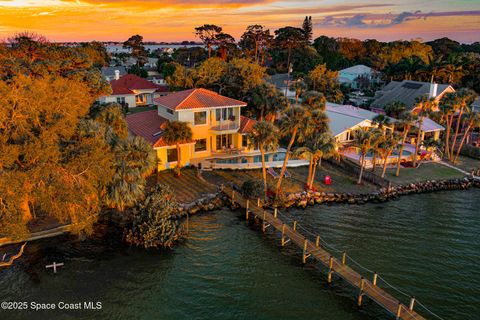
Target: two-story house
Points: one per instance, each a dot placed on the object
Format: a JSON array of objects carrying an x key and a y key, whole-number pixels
[
  {"x": 219, "y": 130},
  {"x": 133, "y": 91}
]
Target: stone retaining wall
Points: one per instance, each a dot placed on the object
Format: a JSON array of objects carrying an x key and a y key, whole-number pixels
[{"x": 303, "y": 199}]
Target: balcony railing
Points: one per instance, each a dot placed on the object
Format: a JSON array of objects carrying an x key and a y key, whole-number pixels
[{"x": 225, "y": 126}]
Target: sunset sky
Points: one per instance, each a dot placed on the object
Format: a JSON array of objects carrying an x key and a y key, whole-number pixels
[{"x": 174, "y": 20}]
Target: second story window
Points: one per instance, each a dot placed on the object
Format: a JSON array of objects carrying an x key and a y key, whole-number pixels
[
  {"x": 223, "y": 114},
  {"x": 200, "y": 118}
]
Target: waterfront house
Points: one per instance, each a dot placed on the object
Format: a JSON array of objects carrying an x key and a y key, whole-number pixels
[
  {"x": 407, "y": 91},
  {"x": 344, "y": 119},
  {"x": 133, "y": 91},
  {"x": 219, "y": 131}
]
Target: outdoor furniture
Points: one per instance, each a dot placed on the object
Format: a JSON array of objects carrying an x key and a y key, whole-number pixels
[{"x": 273, "y": 173}]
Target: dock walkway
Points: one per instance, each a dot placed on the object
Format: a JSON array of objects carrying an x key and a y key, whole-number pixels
[{"x": 314, "y": 250}]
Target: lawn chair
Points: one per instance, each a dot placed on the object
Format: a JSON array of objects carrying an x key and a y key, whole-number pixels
[
  {"x": 287, "y": 174},
  {"x": 273, "y": 173}
]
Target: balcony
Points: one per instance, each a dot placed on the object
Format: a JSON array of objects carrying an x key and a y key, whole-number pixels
[{"x": 225, "y": 127}]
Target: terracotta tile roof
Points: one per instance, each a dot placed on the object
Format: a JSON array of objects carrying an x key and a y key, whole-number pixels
[
  {"x": 196, "y": 99},
  {"x": 246, "y": 125},
  {"x": 148, "y": 124},
  {"x": 130, "y": 82}
]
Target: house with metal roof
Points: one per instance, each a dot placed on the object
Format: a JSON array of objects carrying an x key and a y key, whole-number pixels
[
  {"x": 407, "y": 91},
  {"x": 356, "y": 75}
]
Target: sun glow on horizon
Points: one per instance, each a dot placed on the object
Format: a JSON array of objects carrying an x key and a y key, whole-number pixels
[{"x": 174, "y": 20}]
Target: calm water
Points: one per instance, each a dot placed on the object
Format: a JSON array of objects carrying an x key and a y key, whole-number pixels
[{"x": 427, "y": 245}]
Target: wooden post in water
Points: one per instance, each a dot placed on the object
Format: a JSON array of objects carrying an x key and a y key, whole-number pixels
[
  {"x": 283, "y": 234},
  {"x": 360, "y": 295},
  {"x": 330, "y": 271},
  {"x": 246, "y": 209},
  {"x": 375, "y": 275},
  {"x": 275, "y": 213},
  {"x": 258, "y": 202},
  {"x": 304, "y": 257},
  {"x": 344, "y": 257},
  {"x": 294, "y": 225},
  {"x": 399, "y": 310},
  {"x": 317, "y": 242},
  {"x": 412, "y": 302},
  {"x": 233, "y": 197},
  {"x": 187, "y": 224},
  {"x": 264, "y": 224}
]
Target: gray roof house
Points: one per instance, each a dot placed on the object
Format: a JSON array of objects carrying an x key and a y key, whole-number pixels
[
  {"x": 407, "y": 91},
  {"x": 113, "y": 73}
]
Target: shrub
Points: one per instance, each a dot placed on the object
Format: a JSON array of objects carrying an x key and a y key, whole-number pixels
[
  {"x": 156, "y": 222},
  {"x": 252, "y": 189},
  {"x": 471, "y": 151}
]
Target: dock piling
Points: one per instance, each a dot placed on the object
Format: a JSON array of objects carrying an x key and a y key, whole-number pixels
[
  {"x": 294, "y": 225},
  {"x": 344, "y": 257},
  {"x": 412, "y": 302},
  {"x": 317, "y": 242},
  {"x": 374, "y": 282}
]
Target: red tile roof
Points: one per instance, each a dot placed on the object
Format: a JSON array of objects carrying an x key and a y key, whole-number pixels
[
  {"x": 196, "y": 99},
  {"x": 246, "y": 125},
  {"x": 148, "y": 124},
  {"x": 130, "y": 82}
]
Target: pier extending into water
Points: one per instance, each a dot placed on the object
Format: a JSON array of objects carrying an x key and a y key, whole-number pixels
[{"x": 312, "y": 249}]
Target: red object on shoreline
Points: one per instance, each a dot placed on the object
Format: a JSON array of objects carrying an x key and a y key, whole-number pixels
[{"x": 327, "y": 180}]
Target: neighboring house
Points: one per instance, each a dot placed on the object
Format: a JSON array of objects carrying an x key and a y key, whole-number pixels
[
  {"x": 112, "y": 73},
  {"x": 133, "y": 91},
  {"x": 151, "y": 63},
  {"x": 284, "y": 83},
  {"x": 219, "y": 131},
  {"x": 358, "y": 77},
  {"x": 407, "y": 92},
  {"x": 344, "y": 119}
]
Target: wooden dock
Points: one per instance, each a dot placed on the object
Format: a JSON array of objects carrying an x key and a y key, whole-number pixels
[{"x": 314, "y": 250}]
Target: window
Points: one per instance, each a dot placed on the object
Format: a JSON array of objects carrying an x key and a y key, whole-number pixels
[
  {"x": 169, "y": 110},
  {"x": 200, "y": 118},
  {"x": 244, "y": 141},
  {"x": 172, "y": 155},
  {"x": 121, "y": 100},
  {"x": 201, "y": 145},
  {"x": 224, "y": 141},
  {"x": 223, "y": 114}
]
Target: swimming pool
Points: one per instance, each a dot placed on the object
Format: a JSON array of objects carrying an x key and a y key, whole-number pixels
[{"x": 276, "y": 156}]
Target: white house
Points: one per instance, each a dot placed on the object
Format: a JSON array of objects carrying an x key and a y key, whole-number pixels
[
  {"x": 133, "y": 91},
  {"x": 353, "y": 76}
]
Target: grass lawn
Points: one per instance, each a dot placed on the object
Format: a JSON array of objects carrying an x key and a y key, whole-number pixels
[
  {"x": 141, "y": 109},
  {"x": 467, "y": 163},
  {"x": 341, "y": 182},
  {"x": 426, "y": 171},
  {"x": 188, "y": 187}
]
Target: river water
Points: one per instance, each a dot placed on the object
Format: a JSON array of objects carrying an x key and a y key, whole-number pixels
[{"x": 427, "y": 245}]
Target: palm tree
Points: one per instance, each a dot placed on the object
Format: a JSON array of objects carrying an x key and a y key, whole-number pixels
[
  {"x": 299, "y": 86},
  {"x": 423, "y": 106},
  {"x": 326, "y": 147},
  {"x": 294, "y": 121},
  {"x": 447, "y": 110},
  {"x": 433, "y": 69},
  {"x": 362, "y": 139},
  {"x": 264, "y": 135},
  {"x": 431, "y": 145},
  {"x": 386, "y": 148},
  {"x": 177, "y": 133},
  {"x": 395, "y": 109},
  {"x": 377, "y": 137},
  {"x": 135, "y": 159},
  {"x": 464, "y": 98},
  {"x": 473, "y": 121},
  {"x": 406, "y": 120},
  {"x": 314, "y": 100}
]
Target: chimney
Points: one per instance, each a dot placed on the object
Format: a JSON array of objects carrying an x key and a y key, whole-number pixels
[
  {"x": 433, "y": 90},
  {"x": 117, "y": 74}
]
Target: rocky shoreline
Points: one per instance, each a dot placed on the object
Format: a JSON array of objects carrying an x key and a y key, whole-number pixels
[{"x": 303, "y": 199}]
